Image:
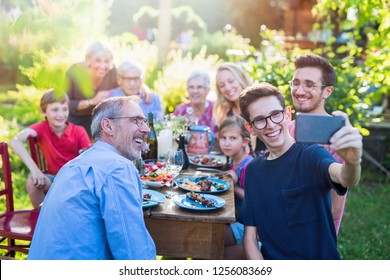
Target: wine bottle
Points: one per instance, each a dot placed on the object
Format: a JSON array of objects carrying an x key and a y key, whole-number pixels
[
  {"x": 183, "y": 148},
  {"x": 151, "y": 145}
]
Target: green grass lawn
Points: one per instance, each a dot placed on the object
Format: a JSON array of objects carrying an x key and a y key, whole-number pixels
[{"x": 365, "y": 228}]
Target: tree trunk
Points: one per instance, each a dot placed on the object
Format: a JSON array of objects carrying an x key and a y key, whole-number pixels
[{"x": 164, "y": 30}]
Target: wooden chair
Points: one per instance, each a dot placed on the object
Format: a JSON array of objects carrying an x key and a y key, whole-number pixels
[
  {"x": 16, "y": 226},
  {"x": 36, "y": 154}
]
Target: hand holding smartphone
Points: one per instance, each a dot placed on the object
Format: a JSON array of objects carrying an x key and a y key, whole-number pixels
[{"x": 318, "y": 129}]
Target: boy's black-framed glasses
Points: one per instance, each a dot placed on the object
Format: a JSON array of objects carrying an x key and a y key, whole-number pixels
[{"x": 260, "y": 122}]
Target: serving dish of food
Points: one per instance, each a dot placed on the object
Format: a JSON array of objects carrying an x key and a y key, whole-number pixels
[{"x": 155, "y": 175}]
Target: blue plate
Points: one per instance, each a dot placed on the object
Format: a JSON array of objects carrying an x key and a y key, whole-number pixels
[
  {"x": 154, "y": 195},
  {"x": 218, "y": 186},
  {"x": 184, "y": 202}
]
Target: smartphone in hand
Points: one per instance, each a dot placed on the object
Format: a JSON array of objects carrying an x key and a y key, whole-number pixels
[{"x": 312, "y": 128}]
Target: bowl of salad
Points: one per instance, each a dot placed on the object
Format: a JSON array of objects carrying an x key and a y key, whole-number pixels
[{"x": 155, "y": 174}]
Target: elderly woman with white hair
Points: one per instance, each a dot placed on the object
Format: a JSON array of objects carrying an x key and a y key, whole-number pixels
[
  {"x": 90, "y": 82},
  {"x": 199, "y": 110},
  {"x": 130, "y": 78}
]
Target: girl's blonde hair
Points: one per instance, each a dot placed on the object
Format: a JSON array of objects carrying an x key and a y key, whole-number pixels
[{"x": 222, "y": 106}]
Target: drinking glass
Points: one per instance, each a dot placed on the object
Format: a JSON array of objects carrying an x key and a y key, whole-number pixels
[{"x": 174, "y": 162}]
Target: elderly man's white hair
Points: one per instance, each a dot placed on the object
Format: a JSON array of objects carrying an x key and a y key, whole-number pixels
[
  {"x": 128, "y": 64},
  {"x": 108, "y": 108}
]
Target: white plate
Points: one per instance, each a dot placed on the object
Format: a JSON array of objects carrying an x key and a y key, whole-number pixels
[
  {"x": 153, "y": 185},
  {"x": 210, "y": 156}
]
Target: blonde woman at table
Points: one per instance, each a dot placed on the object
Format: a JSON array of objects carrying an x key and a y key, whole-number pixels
[
  {"x": 231, "y": 80},
  {"x": 234, "y": 141}
]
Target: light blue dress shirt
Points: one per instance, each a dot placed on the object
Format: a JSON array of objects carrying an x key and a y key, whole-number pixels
[
  {"x": 93, "y": 211},
  {"x": 154, "y": 106}
]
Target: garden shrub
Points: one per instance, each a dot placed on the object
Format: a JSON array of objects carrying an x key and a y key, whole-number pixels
[{"x": 218, "y": 43}]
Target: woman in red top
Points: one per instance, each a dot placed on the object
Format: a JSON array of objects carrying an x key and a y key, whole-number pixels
[{"x": 58, "y": 139}]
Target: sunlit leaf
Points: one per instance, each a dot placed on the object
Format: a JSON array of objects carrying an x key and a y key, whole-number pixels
[{"x": 341, "y": 49}]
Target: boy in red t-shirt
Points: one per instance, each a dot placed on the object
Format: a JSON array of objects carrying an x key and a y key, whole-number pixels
[{"x": 58, "y": 139}]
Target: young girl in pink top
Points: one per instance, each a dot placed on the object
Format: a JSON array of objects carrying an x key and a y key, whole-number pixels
[{"x": 234, "y": 141}]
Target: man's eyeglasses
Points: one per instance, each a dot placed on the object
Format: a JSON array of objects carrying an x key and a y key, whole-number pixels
[
  {"x": 129, "y": 79},
  {"x": 307, "y": 85},
  {"x": 191, "y": 88},
  {"x": 260, "y": 122},
  {"x": 139, "y": 121}
]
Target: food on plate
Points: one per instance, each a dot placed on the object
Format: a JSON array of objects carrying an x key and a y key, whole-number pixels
[
  {"x": 156, "y": 173},
  {"x": 202, "y": 185},
  {"x": 146, "y": 197},
  {"x": 205, "y": 185},
  {"x": 207, "y": 160},
  {"x": 154, "y": 167},
  {"x": 200, "y": 199}
]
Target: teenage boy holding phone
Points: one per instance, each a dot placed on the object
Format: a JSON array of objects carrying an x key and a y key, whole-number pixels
[
  {"x": 313, "y": 82},
  {"x": 287, "y": 190}
]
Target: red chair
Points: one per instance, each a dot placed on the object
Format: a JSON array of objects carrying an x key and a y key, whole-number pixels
[
  {"x": 36, "y": 154},
  {"x": 15, "y": 225}
]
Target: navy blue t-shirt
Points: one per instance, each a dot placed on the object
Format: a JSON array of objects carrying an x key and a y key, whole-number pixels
[{"x": 288, "y": 200}]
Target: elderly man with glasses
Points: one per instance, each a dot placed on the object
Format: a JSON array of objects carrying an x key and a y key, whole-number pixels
[
  {"x": 287, "y": 190},
  {"x": 94, "y": 210},
  {"x": 130, "y": 78}
]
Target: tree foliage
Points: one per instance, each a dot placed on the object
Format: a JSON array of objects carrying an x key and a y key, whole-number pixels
[
  {"x": 183, "y": 18},
  {"x": 227, "y": 45},
  {"x": 48, "y": 25},
  {"x": 368, "y": 25},
  {"x": 359, "y": 50}
]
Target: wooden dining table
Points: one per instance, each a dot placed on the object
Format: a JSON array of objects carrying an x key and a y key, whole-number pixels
[{"x": 186, "y": 233}]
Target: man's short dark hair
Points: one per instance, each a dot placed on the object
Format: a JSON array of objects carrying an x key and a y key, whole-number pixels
[
  {"x": 255, "y": 92},
  {"x": 316, "y": 61}
]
